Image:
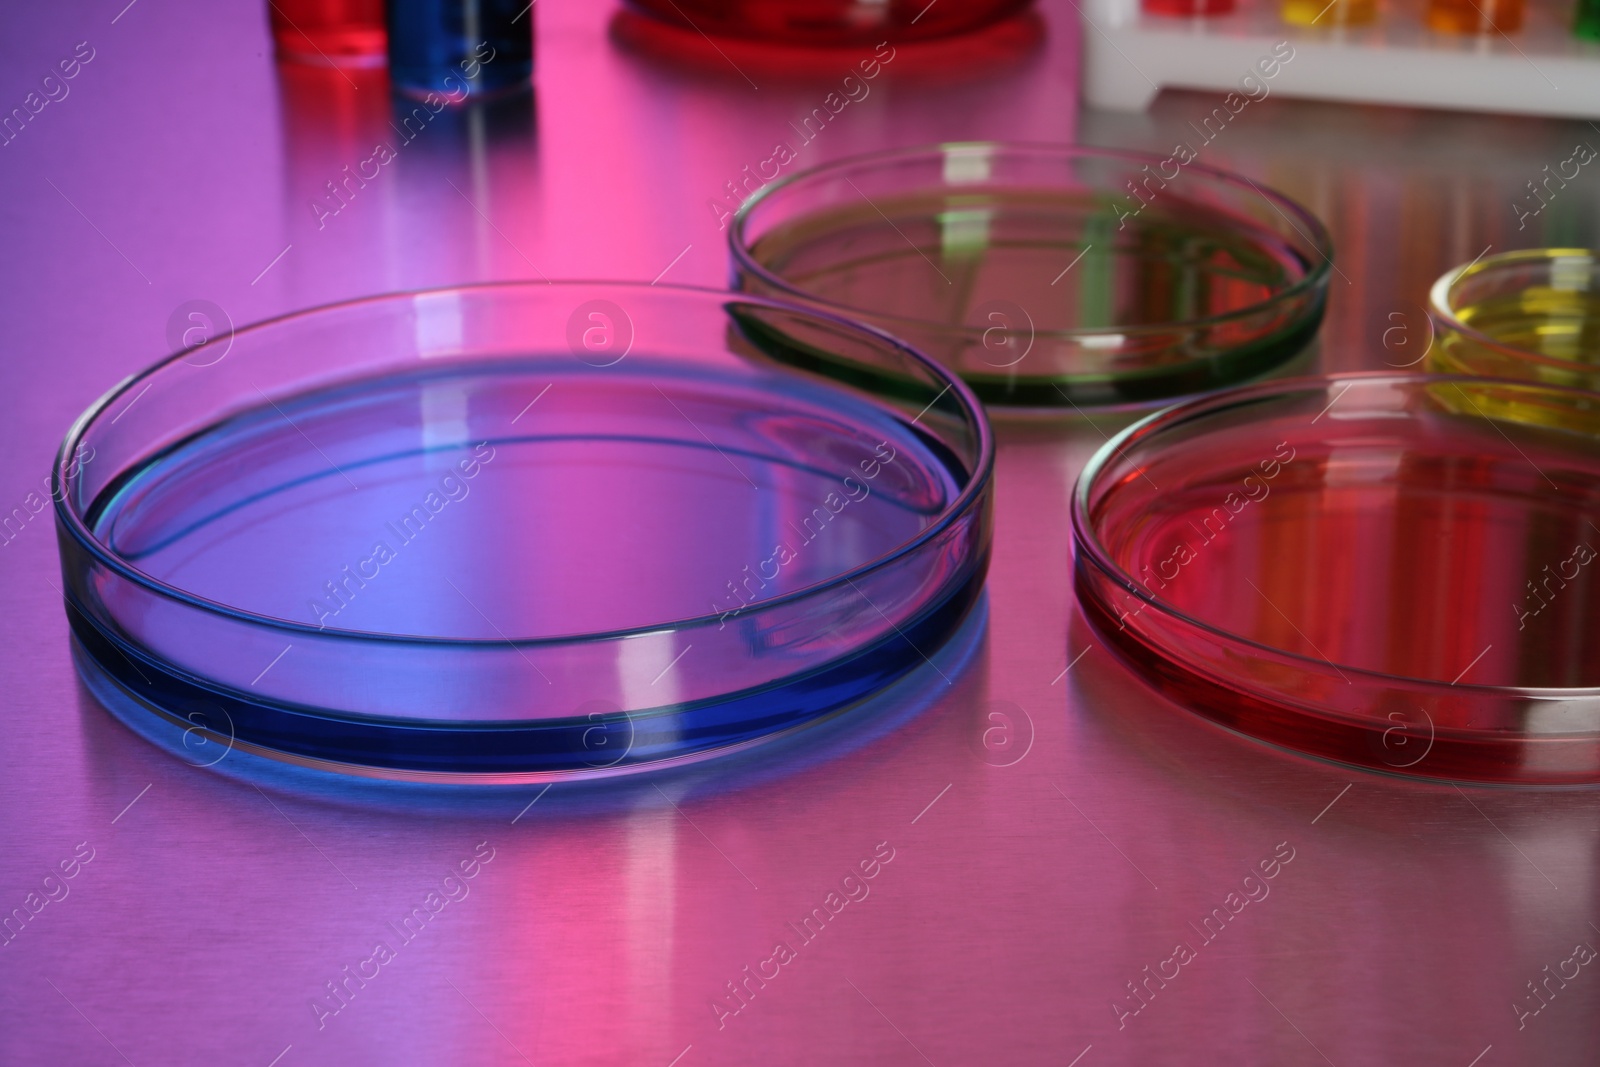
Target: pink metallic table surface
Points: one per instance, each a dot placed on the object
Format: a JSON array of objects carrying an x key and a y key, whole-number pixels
[{"x": 1041, "y": 837}]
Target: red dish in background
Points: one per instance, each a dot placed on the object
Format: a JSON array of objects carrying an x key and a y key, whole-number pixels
[
  {"x": 980, "y": 53},
  {"x": 1398, "y": 572},
  {"x": 830, "y": 23},
  {"x": 1187, "y": 8}
]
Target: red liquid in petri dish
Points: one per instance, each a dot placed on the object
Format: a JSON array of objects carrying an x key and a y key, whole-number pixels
[
  {"x": 831, "y": 22},
  {"x": 1187, "y": 8},
  {"x": 329, "y": 33},
  {"x": 1396, "y": 572}
]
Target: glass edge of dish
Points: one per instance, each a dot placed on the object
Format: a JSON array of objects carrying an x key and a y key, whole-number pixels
[
  {"x": 1443, "y": 315},
  {"x": 1316, "y": 276},
  {"x": 67, "y": 519}
]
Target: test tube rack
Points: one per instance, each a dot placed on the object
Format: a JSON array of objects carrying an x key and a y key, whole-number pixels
[{"x": 1128, "y": 57}]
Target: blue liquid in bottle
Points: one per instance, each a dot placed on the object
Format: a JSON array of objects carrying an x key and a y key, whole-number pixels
[{"x": 459, "y": 48}]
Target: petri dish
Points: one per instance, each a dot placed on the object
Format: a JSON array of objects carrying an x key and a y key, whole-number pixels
[
  {"x": 1188, "y": 8},
  {"x": 1392, "y": 571},
  {"x": 1533, "y": 315},
  {"x": 829, "y": 23},
  {"x": 1048, "y": 275},
  {"x": 972, "y": 51},
  {"x": 506, "y": 532}
]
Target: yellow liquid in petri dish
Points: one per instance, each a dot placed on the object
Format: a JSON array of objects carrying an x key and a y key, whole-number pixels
[
  {"x": 1561, "y": 324},
  {"x": 1329, "y": 13},
  {"x": 1529, "y": 316},
  {"x": 1558, "y": 324}
]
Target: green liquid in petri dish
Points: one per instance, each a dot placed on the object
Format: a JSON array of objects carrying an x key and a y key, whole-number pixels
[
  {"x": 945, "y": 256},
  {"x": 1000, "y": 284}
]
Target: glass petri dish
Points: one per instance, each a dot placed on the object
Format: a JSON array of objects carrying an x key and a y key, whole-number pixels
[
  {"x": 829, "y": 23},
  {"x": 1533, "y": 315},
  {"x": 1385, "y": 570},
  {"x": 1048, "y": 275},
  {"x": 506, "y": 532}
]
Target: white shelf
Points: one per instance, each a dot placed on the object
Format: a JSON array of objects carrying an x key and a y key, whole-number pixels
[{"x": 1540, "y": 70}]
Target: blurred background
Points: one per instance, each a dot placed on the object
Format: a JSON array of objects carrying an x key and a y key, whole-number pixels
[{"x": 1037, "y": 871}]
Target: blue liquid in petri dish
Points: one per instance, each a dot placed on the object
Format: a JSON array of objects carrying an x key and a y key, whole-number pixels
[{"x": 526, "y": 500}]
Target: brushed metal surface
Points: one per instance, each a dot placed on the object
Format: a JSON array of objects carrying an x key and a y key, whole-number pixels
[{"x": 1038, "y": 826}]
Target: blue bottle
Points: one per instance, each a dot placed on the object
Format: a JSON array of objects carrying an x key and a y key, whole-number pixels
[{"x": 460, "y": 48}]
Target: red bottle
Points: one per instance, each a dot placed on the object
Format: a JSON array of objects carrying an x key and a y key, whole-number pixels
[{"x": 329, "y": 33}]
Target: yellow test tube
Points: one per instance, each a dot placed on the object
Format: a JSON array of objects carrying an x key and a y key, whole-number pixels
[{"x": 1329, "y": 13}]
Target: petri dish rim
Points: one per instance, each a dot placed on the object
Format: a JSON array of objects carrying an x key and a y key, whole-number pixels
[
  {"x": 1089, "y": 548},
  {"x": 72, "y": 523},
  {"x": 1441, "y": 304},
  {"x": 1308, "y": 224}
]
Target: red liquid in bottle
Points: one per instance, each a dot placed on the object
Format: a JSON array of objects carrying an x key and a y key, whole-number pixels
[{"x": 329, "y": 33}]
